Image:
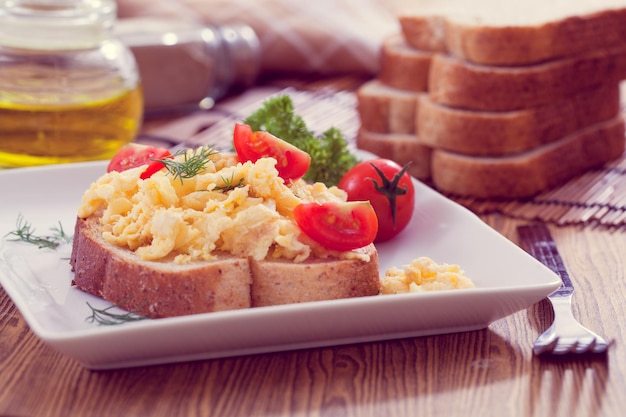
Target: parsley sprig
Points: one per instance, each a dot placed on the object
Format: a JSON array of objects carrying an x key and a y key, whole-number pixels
[
  {"x": 25, "y": 232},
  {"x": 330, "y": 157}
]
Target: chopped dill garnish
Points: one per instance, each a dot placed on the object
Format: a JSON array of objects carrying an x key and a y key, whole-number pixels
[
  {"x": 25, "y": 232},
  {"x": 229, "y": 184},
  {"x": 330, "y": 156},
  {"x": 108, "y": 318},
  {"x": 192, "y": 164}
]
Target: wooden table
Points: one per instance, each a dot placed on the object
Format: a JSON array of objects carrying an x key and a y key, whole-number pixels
[{"x": 491, "y": 372}]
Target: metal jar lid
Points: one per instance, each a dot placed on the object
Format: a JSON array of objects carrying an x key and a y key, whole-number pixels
[
  {"x": 190, "y": 65},
  {"x": 240, "y": 52}
]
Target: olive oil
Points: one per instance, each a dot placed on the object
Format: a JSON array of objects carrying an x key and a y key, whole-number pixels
[
  {"x": 69, "y": 89},
  {"x": 38, "y": 134}
]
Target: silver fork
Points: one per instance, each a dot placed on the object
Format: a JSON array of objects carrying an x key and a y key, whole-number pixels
[{"x": 565, "y": 334}]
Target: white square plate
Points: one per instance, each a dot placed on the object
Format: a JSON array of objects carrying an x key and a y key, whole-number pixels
[{"x": 39, "y": 282}]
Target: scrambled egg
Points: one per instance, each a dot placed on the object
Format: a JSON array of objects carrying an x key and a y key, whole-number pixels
[
  {"x": 241, "y": 208},
  {"x": 423, "y": 274}
]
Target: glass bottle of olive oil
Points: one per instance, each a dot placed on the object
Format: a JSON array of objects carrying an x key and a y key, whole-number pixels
[{"x": 69, "y": 91}]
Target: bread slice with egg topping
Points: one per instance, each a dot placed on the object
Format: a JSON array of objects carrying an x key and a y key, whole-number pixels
[
  {"x": 156, "y": 288},
  {"x": 222, "y": 239},
  {"x": 164, "y": 288}
]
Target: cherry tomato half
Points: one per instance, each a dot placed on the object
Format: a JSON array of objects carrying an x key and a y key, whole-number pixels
[
  {"x": 135, "y": 155},
  {"x": 337, "y": 225},
  {"x": 292, "y": 162},
  {"x": 388, "y": 187}
]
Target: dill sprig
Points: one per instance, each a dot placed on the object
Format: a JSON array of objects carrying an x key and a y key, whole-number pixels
[
  {"x": 229, "y": 184},
  {"x": 107, "y": 317},
  {"x": 192, "y": 163},
  {"x": 25, "y": 232}
]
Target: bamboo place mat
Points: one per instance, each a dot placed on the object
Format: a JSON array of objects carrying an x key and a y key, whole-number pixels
[{"x": 594, "y": 199}]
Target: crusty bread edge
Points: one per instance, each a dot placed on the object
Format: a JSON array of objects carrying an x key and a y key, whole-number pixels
[
  {"x": 157, "y": 289},
  {"x": 457, "y": 83},
  {"x": 151, "y": 288},
  {"x": 487, "y": 43},
  {"x": 481, "y": 133},
  {"x": 401, "y": 148},
  {"x": 402, "y": 66},
  {"x": 385, "y": 109},
  {"x": 526, "y": 174},
  {"x": 283, "y": 282}
]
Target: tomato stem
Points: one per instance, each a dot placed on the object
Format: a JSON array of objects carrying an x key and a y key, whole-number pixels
[{"x": 390, "y": 189}]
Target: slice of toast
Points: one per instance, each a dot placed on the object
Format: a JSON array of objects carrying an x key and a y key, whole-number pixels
[
  {"x": 385, "y": 109},
  {"x": 156, "y": 288},
  {"x": 279, "y": 281},
  {"x": 457, "y": 83},
  {"x": 399, "y": 147},
  {"x": 402, "y": 66},
  {"x": 164, "y": 288},
  {"x": 488, "y": 133},
  {"x": 528, "y": 173},
  {"x": 512, "y": 33}
]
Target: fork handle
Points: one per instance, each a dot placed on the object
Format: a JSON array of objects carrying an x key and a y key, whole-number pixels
[{"x": 537, "y": 240}]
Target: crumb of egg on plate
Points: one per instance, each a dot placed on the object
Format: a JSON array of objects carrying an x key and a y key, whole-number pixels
[{"x": 422, "y": 275}]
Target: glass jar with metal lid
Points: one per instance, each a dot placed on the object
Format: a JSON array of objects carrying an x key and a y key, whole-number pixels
[{"x": 69, "y": 90}]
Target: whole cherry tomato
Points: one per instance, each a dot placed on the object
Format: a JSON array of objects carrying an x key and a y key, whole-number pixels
[{"x": 388, "y": 187}]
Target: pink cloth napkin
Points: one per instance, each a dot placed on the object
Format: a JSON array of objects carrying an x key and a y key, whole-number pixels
[{"x": 320, "y": 36}]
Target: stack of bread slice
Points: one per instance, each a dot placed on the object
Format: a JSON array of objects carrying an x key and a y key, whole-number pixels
[{"x": 503, "y": 103}]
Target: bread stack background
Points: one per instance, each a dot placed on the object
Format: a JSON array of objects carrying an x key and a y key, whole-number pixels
[{"x": 502, "y": 101}]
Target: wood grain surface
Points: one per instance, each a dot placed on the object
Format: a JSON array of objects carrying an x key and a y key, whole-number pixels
[{"x": 490, "y": 372}]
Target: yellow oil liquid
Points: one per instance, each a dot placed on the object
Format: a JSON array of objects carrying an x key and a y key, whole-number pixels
[{"x": 41, "y": 134}]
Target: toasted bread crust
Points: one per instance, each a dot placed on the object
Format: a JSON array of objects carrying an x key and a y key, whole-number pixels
[
  {"x": 516, "y": 103},
  {"x": 502, "y": 133},
  {"x": 399, "y": 147},
  {"x": 459, "y": 84},
  {"x": 402, "y": 66},
  {"x": 158, "y": 289},
  {"x": 526, "y": 174},
  {"x": 491, "y": 43},
  {"x": 424, "y": 33},
  {"x": 283, "y": 282},
  {"x": 385, "y": 109}
]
